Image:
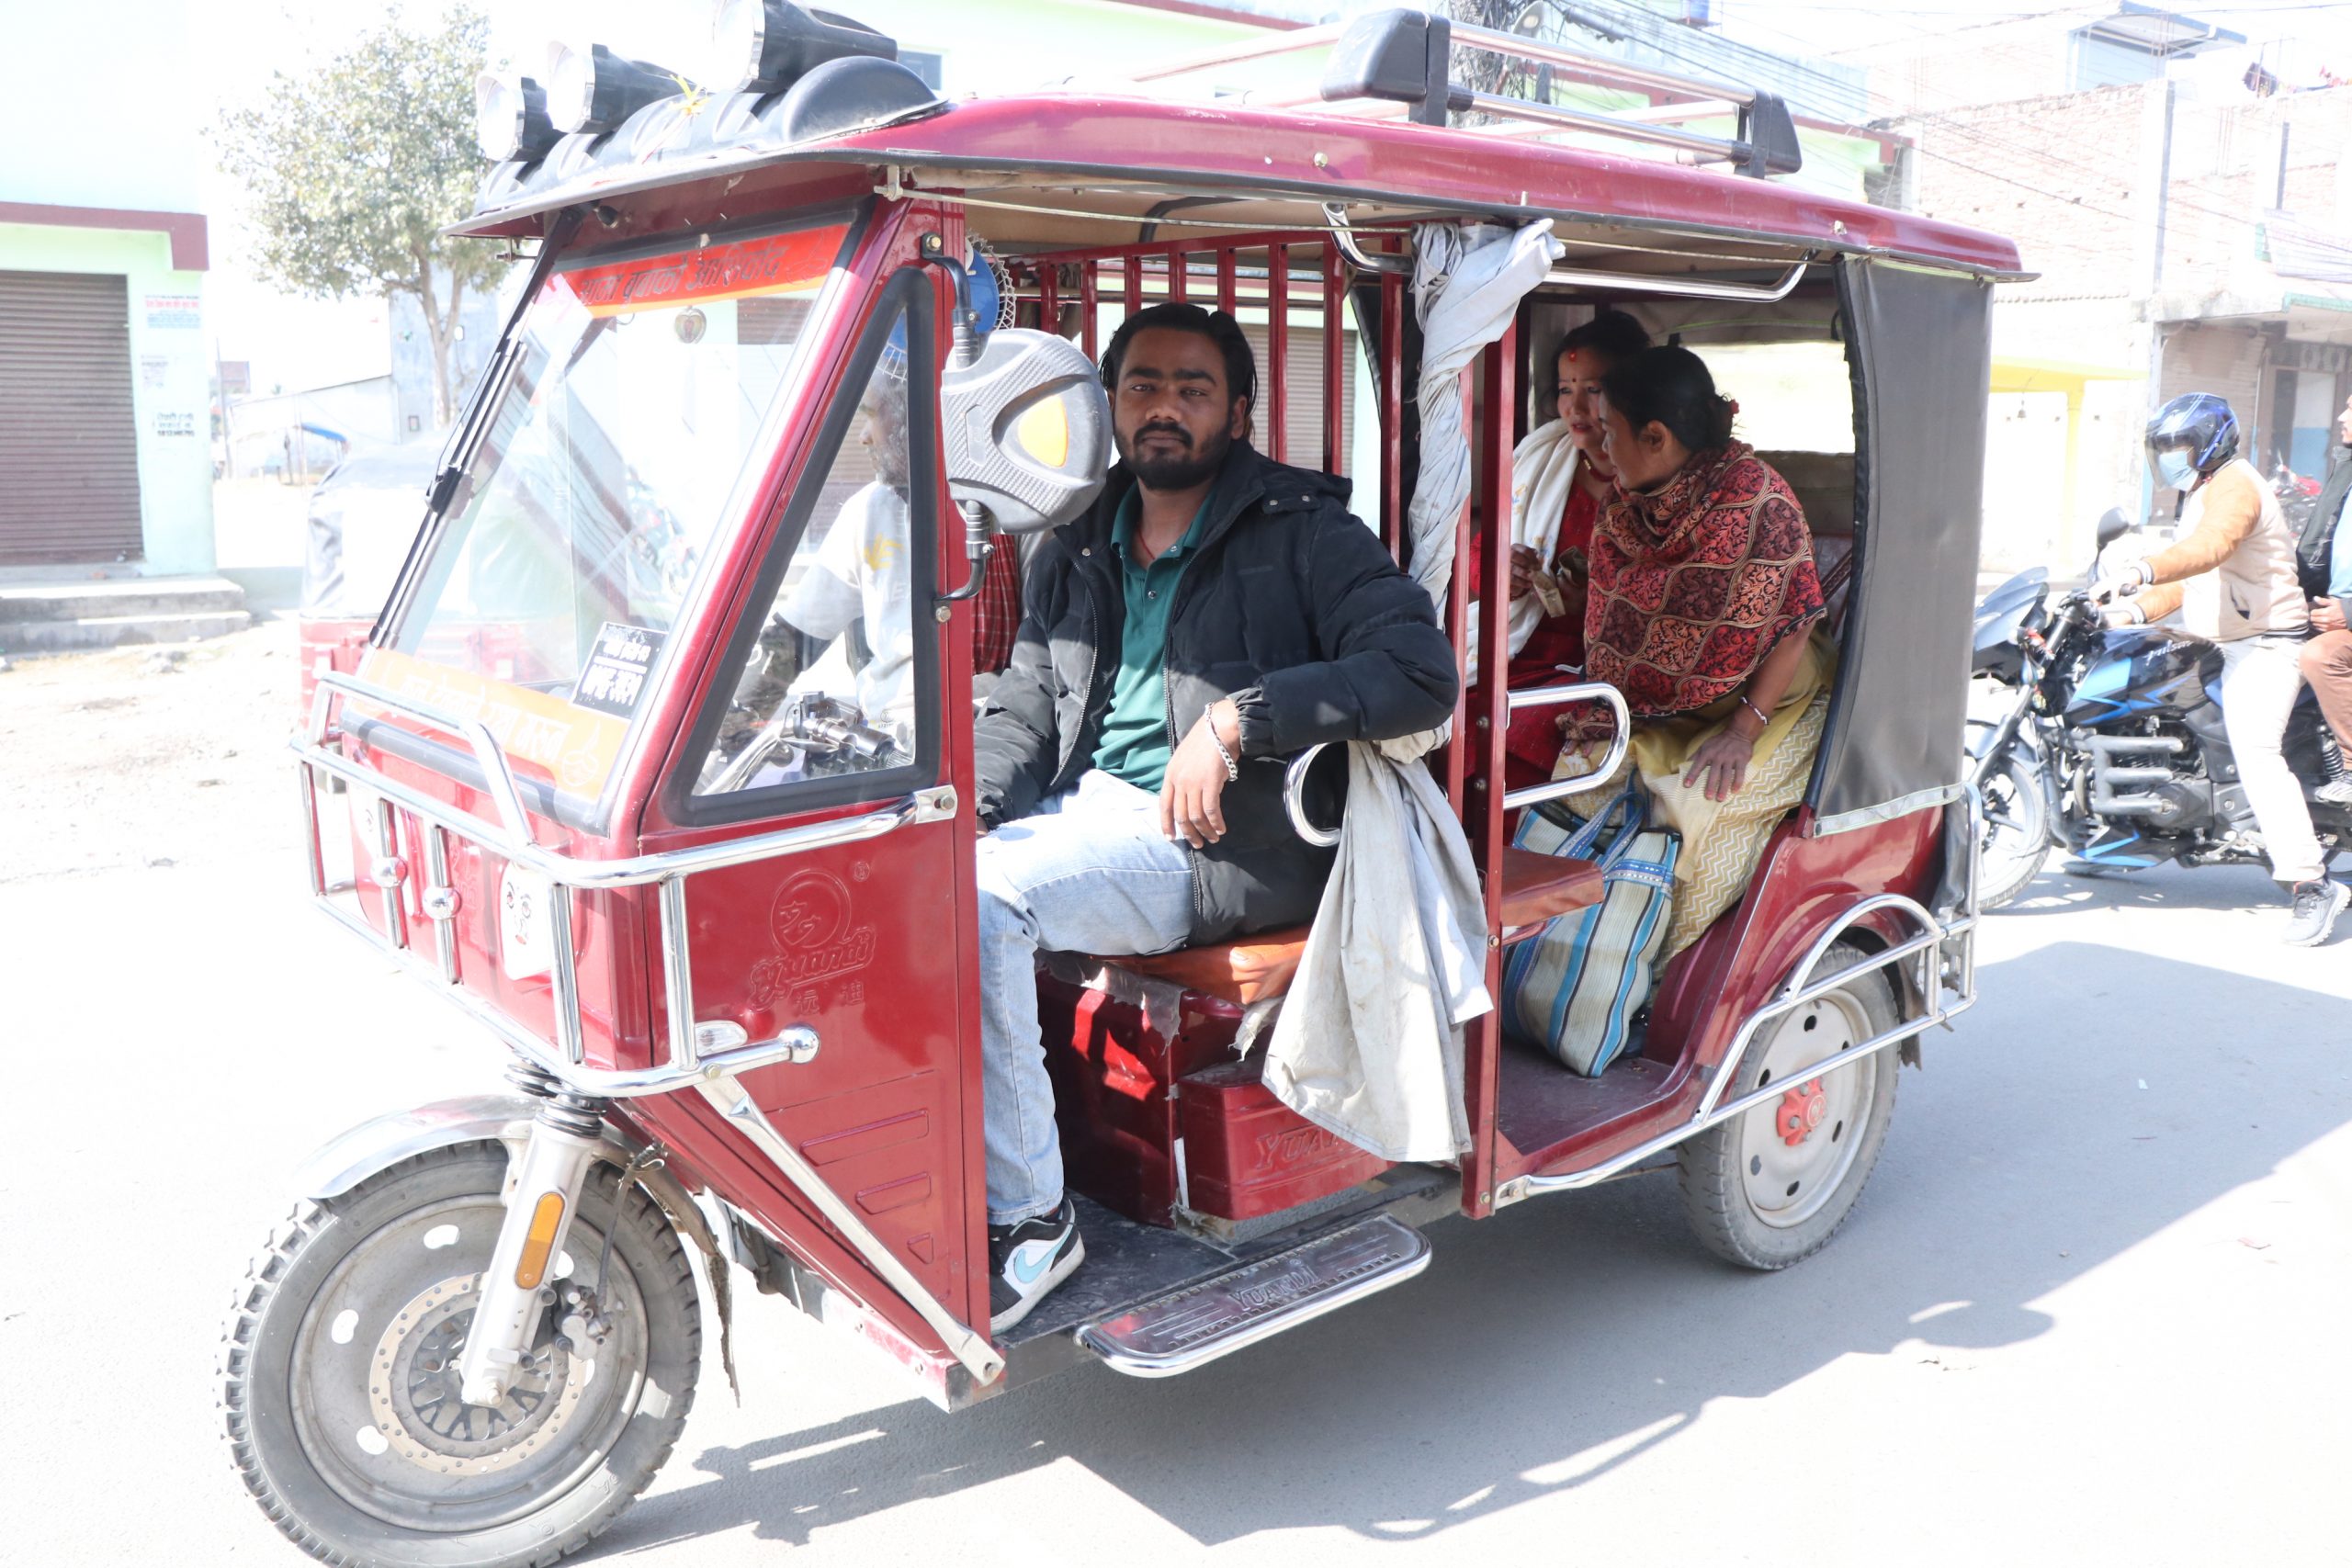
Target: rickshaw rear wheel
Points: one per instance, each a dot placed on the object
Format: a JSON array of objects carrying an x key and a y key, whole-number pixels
[
  {"x": 338, "y": 1375},
  {"x": 1770, "y": 1187}
]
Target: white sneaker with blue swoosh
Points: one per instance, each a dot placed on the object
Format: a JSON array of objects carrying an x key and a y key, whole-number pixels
[{"x": 1027, "y": 1260}]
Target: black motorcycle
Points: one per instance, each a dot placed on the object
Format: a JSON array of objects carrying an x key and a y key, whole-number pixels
[{"x": 2112, "y": 747}]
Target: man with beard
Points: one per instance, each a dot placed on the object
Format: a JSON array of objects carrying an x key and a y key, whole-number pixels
[{"x": 1212, "y": 615}]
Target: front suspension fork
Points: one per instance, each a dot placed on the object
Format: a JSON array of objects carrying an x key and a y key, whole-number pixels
[{"x": 542, "y": 1194}]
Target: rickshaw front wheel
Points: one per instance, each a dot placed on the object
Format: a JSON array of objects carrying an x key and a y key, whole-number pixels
[
  {"x": 1771, "y": 1186},
  {"x": 339, "y": 1374}
]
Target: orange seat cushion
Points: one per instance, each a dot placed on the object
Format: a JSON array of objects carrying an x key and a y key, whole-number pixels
[{"x": 1536, "y": 888}]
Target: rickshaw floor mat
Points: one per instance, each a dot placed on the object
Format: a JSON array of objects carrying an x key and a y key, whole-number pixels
[
  {"x": 1129, "y": 1263},
  {"x": 1540, "y": 1104}
]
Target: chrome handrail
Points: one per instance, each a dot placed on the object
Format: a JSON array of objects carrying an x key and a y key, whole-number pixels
[
  {"x": 1687, "y": 288},
  {"x": 1552, "y": 697},
  {"x": 1294, "y": 774},
  {"x": 1335, "y": 214},
  {"x": 1294, "y": 798},
  {"x": 498, "y": 777}
]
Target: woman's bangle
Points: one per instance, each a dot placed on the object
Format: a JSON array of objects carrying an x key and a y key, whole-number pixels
[{"x": 1763, "y": 717}]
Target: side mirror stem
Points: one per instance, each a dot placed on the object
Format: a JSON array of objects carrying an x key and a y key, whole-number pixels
[{"x": 979, "y": 543}]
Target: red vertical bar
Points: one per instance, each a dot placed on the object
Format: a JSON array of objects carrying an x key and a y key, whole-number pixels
[
  {"x": 1277, "y": 349},
  {"x": 1049, "y": 300},
  {"x": 1132, "y": 300},
  {"x": 1491, "y": 448},
  {"x": 1176, "y": 278},
  {"x": 1457, "y": 752},
  {"x": 1334, "y": 363},
  {"x": 1090, "y": 309},
  {"x": 1393, "y": 393},
  {"x": 1226, "y": 288}
]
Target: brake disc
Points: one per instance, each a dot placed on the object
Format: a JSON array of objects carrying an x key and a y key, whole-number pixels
[{"x": 412, "y": 1390}]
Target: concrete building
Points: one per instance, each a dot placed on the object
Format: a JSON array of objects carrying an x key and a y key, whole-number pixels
[
  {"x": 105, "y": 402},
  {"x": 2190, "y": 213}
]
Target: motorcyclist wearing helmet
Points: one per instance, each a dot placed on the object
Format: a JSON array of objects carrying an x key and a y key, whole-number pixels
[{"x": 2232, "y": 578}]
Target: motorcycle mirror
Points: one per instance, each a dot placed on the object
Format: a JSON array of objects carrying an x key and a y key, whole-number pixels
[
  {"x": 2112, "y": 526},
  {"x": 1026, "y": 427}
]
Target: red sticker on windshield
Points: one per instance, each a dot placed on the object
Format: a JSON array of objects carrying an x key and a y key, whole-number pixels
[{"x": 778, "y": 263}]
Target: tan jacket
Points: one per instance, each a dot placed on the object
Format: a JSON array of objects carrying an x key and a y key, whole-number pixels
[{"x": 2233, "y": 573}]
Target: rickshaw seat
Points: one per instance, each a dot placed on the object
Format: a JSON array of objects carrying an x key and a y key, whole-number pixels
[{"x": 1252, "y": 968}]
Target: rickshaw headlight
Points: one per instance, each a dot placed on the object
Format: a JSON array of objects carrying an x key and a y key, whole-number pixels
[
  {"x": 511, "y": 118},
  {"x": 594, "y": 89},
  {"x": 764, "y": 46}
]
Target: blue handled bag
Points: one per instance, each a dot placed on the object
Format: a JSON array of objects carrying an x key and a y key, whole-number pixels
[{"x": 1576, "y": 987}]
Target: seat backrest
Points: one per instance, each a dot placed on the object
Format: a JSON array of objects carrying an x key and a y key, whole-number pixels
[{"x": 1824, "y": 483}]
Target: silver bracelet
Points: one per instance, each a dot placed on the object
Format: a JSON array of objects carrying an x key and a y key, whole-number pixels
[
  {"x": 1759, "y": 713},
  {"x": 1232, "y": 768}
]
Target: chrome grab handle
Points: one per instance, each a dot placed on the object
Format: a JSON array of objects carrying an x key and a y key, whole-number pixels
[
  {"x": 1295, "y": 777},
  {"x": 1552, "y": 697},
  {"x": 1294, "y": 798},
  {"x": 498, "y": 776}
]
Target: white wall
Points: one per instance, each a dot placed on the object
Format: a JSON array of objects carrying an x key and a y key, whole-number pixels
[{"x": 102, "y": 108}]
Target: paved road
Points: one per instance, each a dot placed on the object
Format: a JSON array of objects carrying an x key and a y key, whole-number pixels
[{"x": 2092, "y": 1308}]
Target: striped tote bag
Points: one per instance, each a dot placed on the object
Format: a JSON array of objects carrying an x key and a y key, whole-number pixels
[{"x": 1577, "y": 986}]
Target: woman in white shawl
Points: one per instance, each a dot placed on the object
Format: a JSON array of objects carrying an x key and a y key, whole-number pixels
[{"x": 1559, "y": 482}]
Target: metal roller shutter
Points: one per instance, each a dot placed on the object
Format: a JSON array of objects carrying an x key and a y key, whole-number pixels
[
  {"x": 1303, "y": 392},
  {"x": 69, "y": 445}
]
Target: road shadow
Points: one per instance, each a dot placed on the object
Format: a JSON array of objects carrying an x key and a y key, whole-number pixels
[{"x": 1552, "y": 1344}]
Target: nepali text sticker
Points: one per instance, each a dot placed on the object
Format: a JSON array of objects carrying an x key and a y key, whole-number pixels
[{"x": 613, "y": 679}]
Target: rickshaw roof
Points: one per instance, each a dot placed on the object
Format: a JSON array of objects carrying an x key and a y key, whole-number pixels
[{"x": 1119, "y": 157}]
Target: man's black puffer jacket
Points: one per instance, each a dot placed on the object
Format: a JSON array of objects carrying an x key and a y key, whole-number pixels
[{"x": 1290, "y": 606}]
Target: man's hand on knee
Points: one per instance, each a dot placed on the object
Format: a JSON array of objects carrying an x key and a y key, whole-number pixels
[{"x": 1191, "y": 793}]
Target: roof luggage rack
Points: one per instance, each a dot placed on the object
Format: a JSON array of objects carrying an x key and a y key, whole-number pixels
[{"x": 1405, "y": 57}]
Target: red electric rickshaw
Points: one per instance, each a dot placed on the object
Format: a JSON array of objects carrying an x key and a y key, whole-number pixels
[{"x": 707, "y": 878}]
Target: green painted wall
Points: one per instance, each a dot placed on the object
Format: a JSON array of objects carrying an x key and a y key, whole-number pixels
[
  {"x": 1007, "y": 46},
  {"x": 169, "y": 377}
]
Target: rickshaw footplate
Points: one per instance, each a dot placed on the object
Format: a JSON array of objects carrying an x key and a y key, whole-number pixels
[{"x": 1216, "y": 1317}]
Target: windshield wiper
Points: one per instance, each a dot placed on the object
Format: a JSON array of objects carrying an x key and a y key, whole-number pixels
[{"x": 467, "y": 438}]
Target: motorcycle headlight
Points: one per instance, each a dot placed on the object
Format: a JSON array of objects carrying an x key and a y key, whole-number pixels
[{"x": 594, "y": 89}]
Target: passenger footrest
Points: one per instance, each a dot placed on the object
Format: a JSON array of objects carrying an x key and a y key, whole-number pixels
[{"x": 1216, "y": 1317}]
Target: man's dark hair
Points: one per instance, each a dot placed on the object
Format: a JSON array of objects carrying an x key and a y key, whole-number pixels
[
  {"x": 1612, "y": 334},
  {"x": 1240, "y": 359}
]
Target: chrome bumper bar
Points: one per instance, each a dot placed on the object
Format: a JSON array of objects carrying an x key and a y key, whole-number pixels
[{"x": 712, "y": 1074}]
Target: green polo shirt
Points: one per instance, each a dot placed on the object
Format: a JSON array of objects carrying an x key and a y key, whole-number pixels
[{"x": 1135, "y": 744}]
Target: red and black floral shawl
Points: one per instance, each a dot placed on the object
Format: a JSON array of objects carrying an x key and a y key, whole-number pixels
[{"x": 1695, "y": 582}]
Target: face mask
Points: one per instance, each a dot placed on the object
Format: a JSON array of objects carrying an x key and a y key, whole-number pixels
[{"x": 2174, "y": 468}]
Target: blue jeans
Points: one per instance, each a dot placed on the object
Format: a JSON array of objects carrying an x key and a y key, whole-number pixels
[{"x": 1088, "y": 872}]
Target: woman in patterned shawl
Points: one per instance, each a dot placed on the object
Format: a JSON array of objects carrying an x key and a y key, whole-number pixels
[{"x": 1703, "y": 611}]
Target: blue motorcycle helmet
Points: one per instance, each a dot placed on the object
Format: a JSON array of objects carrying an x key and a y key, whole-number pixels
[{"x": 2191, "y": 436}]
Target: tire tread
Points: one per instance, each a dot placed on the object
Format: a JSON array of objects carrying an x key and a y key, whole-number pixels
[{"x": 307, "y": 1221}]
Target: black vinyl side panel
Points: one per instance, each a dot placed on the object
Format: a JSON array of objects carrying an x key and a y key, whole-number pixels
[{"x": 1921, "y": 346}]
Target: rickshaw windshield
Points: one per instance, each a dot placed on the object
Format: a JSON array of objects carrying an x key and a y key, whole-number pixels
[{"x": 627, "y": 434}]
